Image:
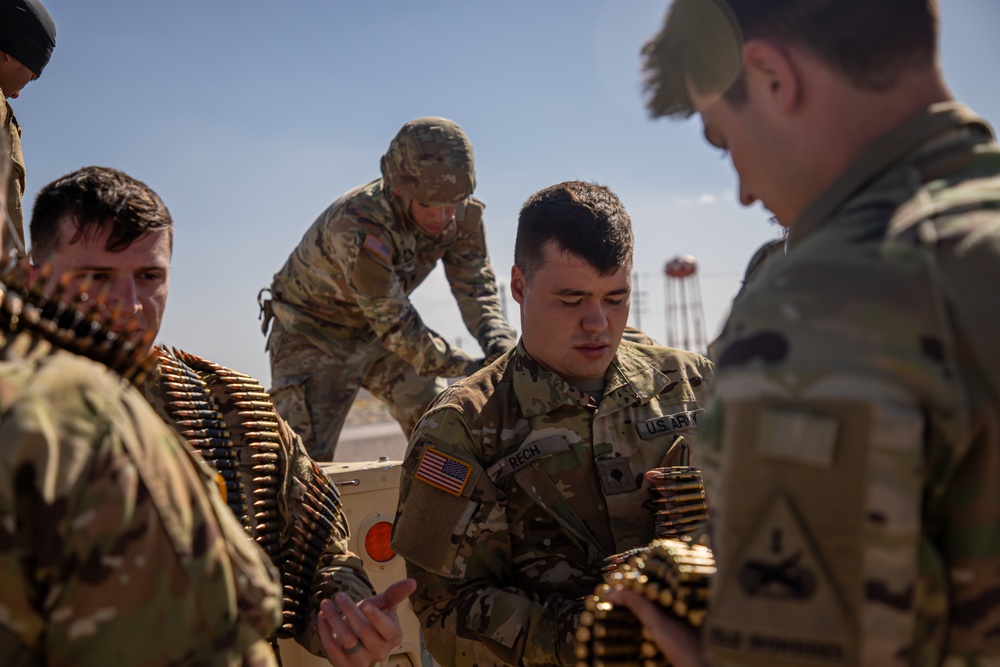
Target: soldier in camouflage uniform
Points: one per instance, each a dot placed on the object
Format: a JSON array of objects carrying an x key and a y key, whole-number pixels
[
  {"x": 342, "y": 314},
  {"x": 532, "y": 468},
  {"x": 115, "y": 546},
  {"x": 27, "y": 37},
  {"x": 102, "y": 226},
  {"x": 855, "y": 426}
]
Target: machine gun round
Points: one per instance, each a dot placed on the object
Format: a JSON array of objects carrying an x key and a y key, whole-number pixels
[{"x": 235, "y": 426}]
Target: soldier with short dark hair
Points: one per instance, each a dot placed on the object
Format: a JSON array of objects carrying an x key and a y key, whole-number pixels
[
  {"x": 855, "y": 424},
  {"x": 27, "y": 37},
  {"x": 342, "y": 317},
  {"x": 100, "y": 227},
  {"x": 522, "y": 478},
  {"x": 115, "y": 546}
]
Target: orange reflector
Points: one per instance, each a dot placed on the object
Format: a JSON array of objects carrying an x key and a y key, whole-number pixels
[{"x": 377, "y": 542}]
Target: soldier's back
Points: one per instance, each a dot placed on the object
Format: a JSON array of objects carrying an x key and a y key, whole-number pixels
[{"x": 114, "y": 546}]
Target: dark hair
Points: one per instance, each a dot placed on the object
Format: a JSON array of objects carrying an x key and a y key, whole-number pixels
[
  {"x": 96, "y": 198},
  {"x": 585, "y": 219},
  {"x": 872, "y": 42}
]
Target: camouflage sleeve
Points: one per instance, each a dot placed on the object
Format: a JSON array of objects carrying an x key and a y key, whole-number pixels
[
  {"x": 470, "y": 608},
  {"x": 337, "y": 569},
  {"x": 108, "y": 526},
  {"x": 474, "y": 284},
  {"x": 381, "y": 295},
  {"x": 966, "y": 269}
]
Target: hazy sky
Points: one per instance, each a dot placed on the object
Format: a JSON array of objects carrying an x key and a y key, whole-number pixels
[{"x": 249, "y": 117}]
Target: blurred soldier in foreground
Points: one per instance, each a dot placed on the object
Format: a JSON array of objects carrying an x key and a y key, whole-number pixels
[
  {"x": 521, "y": 479},
  {"x": 855, "y": 425},
  {"x": 101, "y": 227},
  {"x": 115, "y": 546},
  {"x": 27, "y": 37},
  {"x": 342, "y": 313}
]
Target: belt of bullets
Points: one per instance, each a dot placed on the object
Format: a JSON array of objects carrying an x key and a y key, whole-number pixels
[
  {"x": 679, "y": 496},
  {"x": 250, "y": 420},
  {"x": 672, "y": 573},
  {"x": 77, "y": 320}
]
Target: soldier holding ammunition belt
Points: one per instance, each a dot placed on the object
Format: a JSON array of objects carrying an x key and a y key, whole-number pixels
[
  {"x": 102, "y": 227},
  {"x": 855, "y": 421},
  {"x": 533, "y": 468}
]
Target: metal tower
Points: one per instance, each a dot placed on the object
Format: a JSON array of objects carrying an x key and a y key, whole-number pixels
[{"x": 685, "y": 314}]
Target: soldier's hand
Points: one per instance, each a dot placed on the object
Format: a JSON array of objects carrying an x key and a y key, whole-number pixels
[
  {"x": 674, "y": 639},
  {"x": 357, "y": 635}
]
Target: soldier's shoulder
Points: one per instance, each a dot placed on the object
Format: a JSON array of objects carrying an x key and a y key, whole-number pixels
[
  {"x": 965, "y": 205},
  {"x": 475, "y": 396},
  {"x": 668, "y": 359},
  {"x": 366, "y": 205},
  {"x": 80, "y": 407}
]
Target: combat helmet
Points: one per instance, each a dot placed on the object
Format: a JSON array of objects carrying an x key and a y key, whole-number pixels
[{"x": 430, "y": 160}]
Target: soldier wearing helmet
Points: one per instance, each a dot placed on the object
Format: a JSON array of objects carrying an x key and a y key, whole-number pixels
[{"x": 340, "y": 315}]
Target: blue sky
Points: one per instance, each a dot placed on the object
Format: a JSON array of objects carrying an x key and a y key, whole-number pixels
[{"x": 249, "y": 117}]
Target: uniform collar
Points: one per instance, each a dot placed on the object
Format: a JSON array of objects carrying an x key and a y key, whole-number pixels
[
  {"x": 878, "y": 158},
  {"x": 629, "y": 380}
]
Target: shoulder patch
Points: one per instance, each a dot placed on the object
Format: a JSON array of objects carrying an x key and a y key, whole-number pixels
[
  {"x": 370, "y": 276},
  {"x": 443, "y": 471},
  {"x": 377, "y": 247}
]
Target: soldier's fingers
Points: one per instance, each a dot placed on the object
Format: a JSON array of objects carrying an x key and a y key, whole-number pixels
[
  {"x": 390, "y": 598},
  {"x": 379, "y": 631},
  {"x": 386, "y": 623},
  {"x": 342, "y": 646}
]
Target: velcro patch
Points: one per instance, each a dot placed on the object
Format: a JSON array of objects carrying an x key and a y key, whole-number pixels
[
  {"x": 377, "y": 247},
  {"x": 443, "y": 471},
  {"x": 678, "y": 421},
  {"x": 798, "y": 436},
  {"x": 616, "y": 476},
  {"x": 528, "y": 452}
]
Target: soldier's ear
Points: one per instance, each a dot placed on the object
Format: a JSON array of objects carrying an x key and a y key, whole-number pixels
[{"x": 518, "y": 282}]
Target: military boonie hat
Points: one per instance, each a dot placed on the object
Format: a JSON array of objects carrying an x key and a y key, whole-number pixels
[{"x": 430, "y": 160}]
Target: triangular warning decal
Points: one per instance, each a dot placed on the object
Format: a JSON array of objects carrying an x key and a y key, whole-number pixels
[{"x": 777, "y": 602}]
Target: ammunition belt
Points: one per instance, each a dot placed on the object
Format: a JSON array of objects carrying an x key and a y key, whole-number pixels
[
  {"x": 75, "y": 321},
  {"x": 672, "y": 571},
  {"x": 674, "y": 574},
  {"x": 227, "y": 410}
]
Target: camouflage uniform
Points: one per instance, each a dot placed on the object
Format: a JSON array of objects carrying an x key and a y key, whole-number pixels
[
  {"x": 16, "y": 180},
  {"x": 115, "y": 548},
  {"x": 855, "y": 422},
  {"x": 276, "y": 490},
  {"x": 343, "y": 318},
  {"x": 515, "y": 488}
]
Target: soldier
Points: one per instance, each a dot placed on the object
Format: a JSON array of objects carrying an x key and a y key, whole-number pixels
[
  {"x": 27, "y": 37},
  {"x": 856, "y": 421},
  {"x": 533, "y": 467},
  {"x": 115, "y": 546},
  {"x": 101, "y": 226},
  {"x": 342, "y": 314}
]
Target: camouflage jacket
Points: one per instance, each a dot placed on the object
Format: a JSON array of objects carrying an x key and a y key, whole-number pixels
[
  {"x": 278, "y": 497},
  {"x": 16, "y": 181},
  {"x": 531, "y": 485},
  {"x": 351, "y": 276},
  {"x": 115, "y": 547},
  {"x": 855, "y": 422}
]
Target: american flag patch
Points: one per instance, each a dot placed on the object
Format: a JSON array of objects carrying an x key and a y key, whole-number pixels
[
  {"x": 377, "y": 247},
  {"x": 443, "y": 472}
]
